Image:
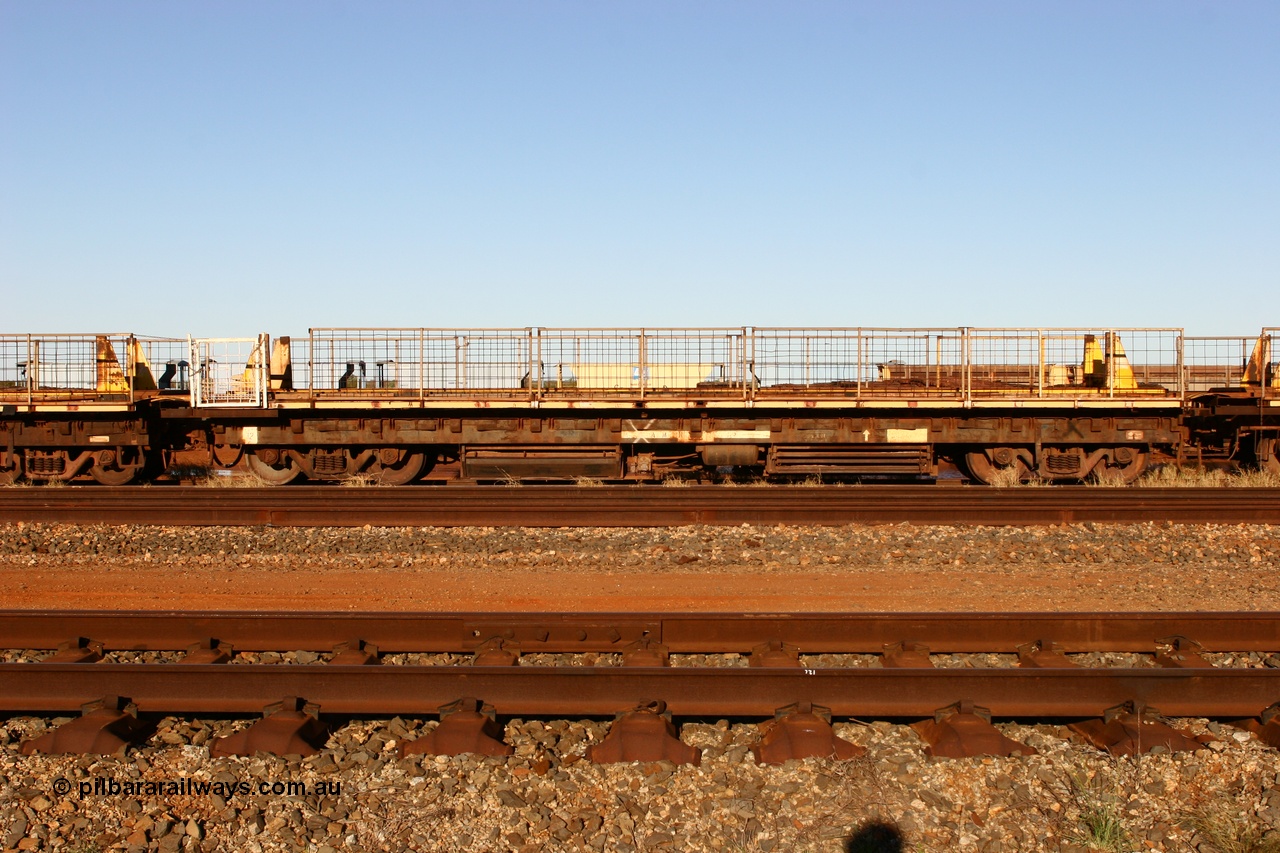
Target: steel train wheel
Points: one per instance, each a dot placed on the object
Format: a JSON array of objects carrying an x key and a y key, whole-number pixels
[
  {"x": 274, "y": 472},
  {"x": 1126, "y": 466},
  {"x": 1269, "y": 455},
  {"x": 400, "y": 471},
  {"x": 110, "y": 468},
  {"x": 997, "y": 466},
  {"x": 113, "y": 476},
  {"x": 12, "y": 472}
]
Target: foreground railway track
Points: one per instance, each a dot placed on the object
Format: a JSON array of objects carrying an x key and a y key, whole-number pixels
[
  {"x": 630, "y": 506},
  {"x": 488, "y": 661}
]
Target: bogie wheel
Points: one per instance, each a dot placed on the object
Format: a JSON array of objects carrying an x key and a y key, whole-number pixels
[
  {"x": 1125, "y": 465},
  {"x": 116, "y": 467},
  {"x": 997, "y": 466},
  {"x": 390, "y": 471},
  {"x": 277, "y": 470},
  {"x": 11, "y": 472},
  {"x": 1269, "y": 455}
]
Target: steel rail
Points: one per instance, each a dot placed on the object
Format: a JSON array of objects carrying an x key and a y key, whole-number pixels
[
  {"x": 633, "y": 506},
  {"x": 612, "y": 632},
  {"x": 570, "y": 691}
]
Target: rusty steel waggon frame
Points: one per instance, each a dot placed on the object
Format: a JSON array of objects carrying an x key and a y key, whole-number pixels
[{"x": 398, "y": 405}]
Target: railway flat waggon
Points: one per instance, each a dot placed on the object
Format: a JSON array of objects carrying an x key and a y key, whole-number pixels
[{"x": 524, "y": 404}]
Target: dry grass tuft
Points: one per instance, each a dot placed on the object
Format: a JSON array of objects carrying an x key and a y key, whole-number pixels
[
  {"x": 1095, "y": 802},
  {"x": 1106, "y": 478},
  {"x": 1230, "y": 829},
  {"x": 1012, "y": 477},
  {"x": 1171, "y": 476}
]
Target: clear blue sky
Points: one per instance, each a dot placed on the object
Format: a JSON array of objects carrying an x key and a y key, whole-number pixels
[{"x": 224, "y": 168}]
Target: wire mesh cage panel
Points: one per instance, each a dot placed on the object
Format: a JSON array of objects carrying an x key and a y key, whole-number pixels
[
  {"x": 1155, "y": 356},
  {"x": 1008, "y": 361},
  {"x": 162, "y": 364},
  {"x": 1055, "y": 362},
  {"x": 497, "y": 361},
  {"x": 604, "y": 360},
  {"x": 229, "y": 371},
  {"x": 64, "y": 367},
  {"x": 1214, "y": 362},
  {"x": 707, "y": 359},
  {"x": 858, "y": 361},
  {"x": 639, "y": 361},
  {"x": 411, "y": 362},
  {"x": 534, "y": 363},
  {"x": 14, "y": 355},
  {"x": 385, "y": 360},
  {"x": 804, "y": 358}
]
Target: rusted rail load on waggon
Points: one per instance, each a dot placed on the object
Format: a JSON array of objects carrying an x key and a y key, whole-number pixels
[{"x": 399, "y": 405}]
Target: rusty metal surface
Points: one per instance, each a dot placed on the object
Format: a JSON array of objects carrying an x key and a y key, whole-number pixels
[
  {"x": 963, "y": 730},
  {"x": 802, "y": 731},
  {"x": 1133, "y": 729},
  {"x": 632, "y": 506},
  {"x": 289, "y": 727},
  {"x": 687, "y": 691},
  {"x": 810, "y": 633},
  {"x": 466, "y": 726},
  {"x": 107, "y": 726},
  {"x": 644, "y": 733}
]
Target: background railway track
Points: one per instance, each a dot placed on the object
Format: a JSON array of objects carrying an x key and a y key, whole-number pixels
[
  {"x": 629, "y": 506},
  {"x": 567, "y": 633}
]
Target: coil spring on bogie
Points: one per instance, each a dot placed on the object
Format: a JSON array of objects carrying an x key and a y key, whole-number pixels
[
  {"x": 1064, "y": 462},
  {"x": 329, "y": 461},
  {"x": 46, "y": 465}
]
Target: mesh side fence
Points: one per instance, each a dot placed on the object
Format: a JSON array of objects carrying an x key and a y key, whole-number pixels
[
  {"x": 168, "y": 362},
  {"x": 409, "y": 361},
  {"x": 51, "y": 367},
  {"x": 867, "y": 361},
  {"x": 790, "y": 358},
  {"x": 357, "y": 359},
  {"x": 14, "y": 357},
  {"x": 300, "y": 362},
  {"x": 637, "y": 361},
  {"x": 1155, "y": 357},
  {"x": 589, "y": 359},
  {"x": 474, "y": 360},
  {"x": 847, "y": 362},
  {"x": 692, "y": 358},
  {"x": 1107, "y": 362},
  {"x": 1214, "y": 362},
  {"x": 916, "y": 361},
  {"x": 1005, "y": 360}
]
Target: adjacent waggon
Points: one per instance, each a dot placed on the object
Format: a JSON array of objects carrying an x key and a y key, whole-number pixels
[{"x": 435, "y": 405}]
